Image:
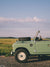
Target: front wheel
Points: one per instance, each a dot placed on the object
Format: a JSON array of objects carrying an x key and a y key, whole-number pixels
[{"x": 21, "y": 55}]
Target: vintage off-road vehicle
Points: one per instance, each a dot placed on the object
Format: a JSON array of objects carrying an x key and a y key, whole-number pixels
[{"x": 25, "y": 48}]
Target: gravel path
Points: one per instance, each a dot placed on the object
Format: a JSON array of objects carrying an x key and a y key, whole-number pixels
[{"x": 11, "y": 62}]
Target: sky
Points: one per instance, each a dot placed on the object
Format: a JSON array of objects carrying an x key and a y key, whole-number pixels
[{"x": 23, "y": 18}]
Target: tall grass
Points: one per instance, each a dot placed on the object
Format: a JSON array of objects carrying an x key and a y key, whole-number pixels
[{"x": 6, "y": 46}]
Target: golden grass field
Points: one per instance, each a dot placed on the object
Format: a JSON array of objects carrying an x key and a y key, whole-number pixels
[
  {"x": 8, "y": 41},
  {"x": 6, "y": 46}
]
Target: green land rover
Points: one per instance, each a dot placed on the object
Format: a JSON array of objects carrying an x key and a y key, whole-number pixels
[{"x": 26, "y": 47}]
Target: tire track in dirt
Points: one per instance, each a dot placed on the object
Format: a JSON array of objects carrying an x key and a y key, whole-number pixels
[{"x": 11, "y": 62}]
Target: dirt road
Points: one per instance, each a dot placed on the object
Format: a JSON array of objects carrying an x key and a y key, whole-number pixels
[{"x": 11, "y": 62}]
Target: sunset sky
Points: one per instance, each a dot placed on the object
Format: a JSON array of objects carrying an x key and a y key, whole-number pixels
[{"x": 23, "y": 18}]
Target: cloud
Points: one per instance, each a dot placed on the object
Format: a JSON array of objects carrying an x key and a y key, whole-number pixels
[
  {"x": 29, "y": 19},
  {"x": 2, "y": 19}
]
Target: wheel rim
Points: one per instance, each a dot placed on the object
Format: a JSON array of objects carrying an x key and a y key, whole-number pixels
[{"x": 21, "y": 56}]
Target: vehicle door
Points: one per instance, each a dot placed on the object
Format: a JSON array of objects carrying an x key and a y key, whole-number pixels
[{"x": 43, "y": 47}]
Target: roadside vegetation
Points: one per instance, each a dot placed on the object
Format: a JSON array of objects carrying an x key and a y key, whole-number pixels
[{"x": 6, "y": 46}]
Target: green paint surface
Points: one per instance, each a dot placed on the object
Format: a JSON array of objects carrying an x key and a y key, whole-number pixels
[{"x": 38, "y": 47}]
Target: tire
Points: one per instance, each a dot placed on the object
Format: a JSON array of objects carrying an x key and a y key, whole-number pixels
[
  {"x": 39, "y": 58},
  {"x": 42, "y": 57},
  {"x": 21, "y": 55}
]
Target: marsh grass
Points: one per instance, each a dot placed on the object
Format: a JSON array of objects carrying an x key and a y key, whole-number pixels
[{"x": 6, "y": 46}]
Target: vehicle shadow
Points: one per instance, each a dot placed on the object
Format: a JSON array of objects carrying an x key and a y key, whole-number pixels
[{"x": 36, "y": 59}]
